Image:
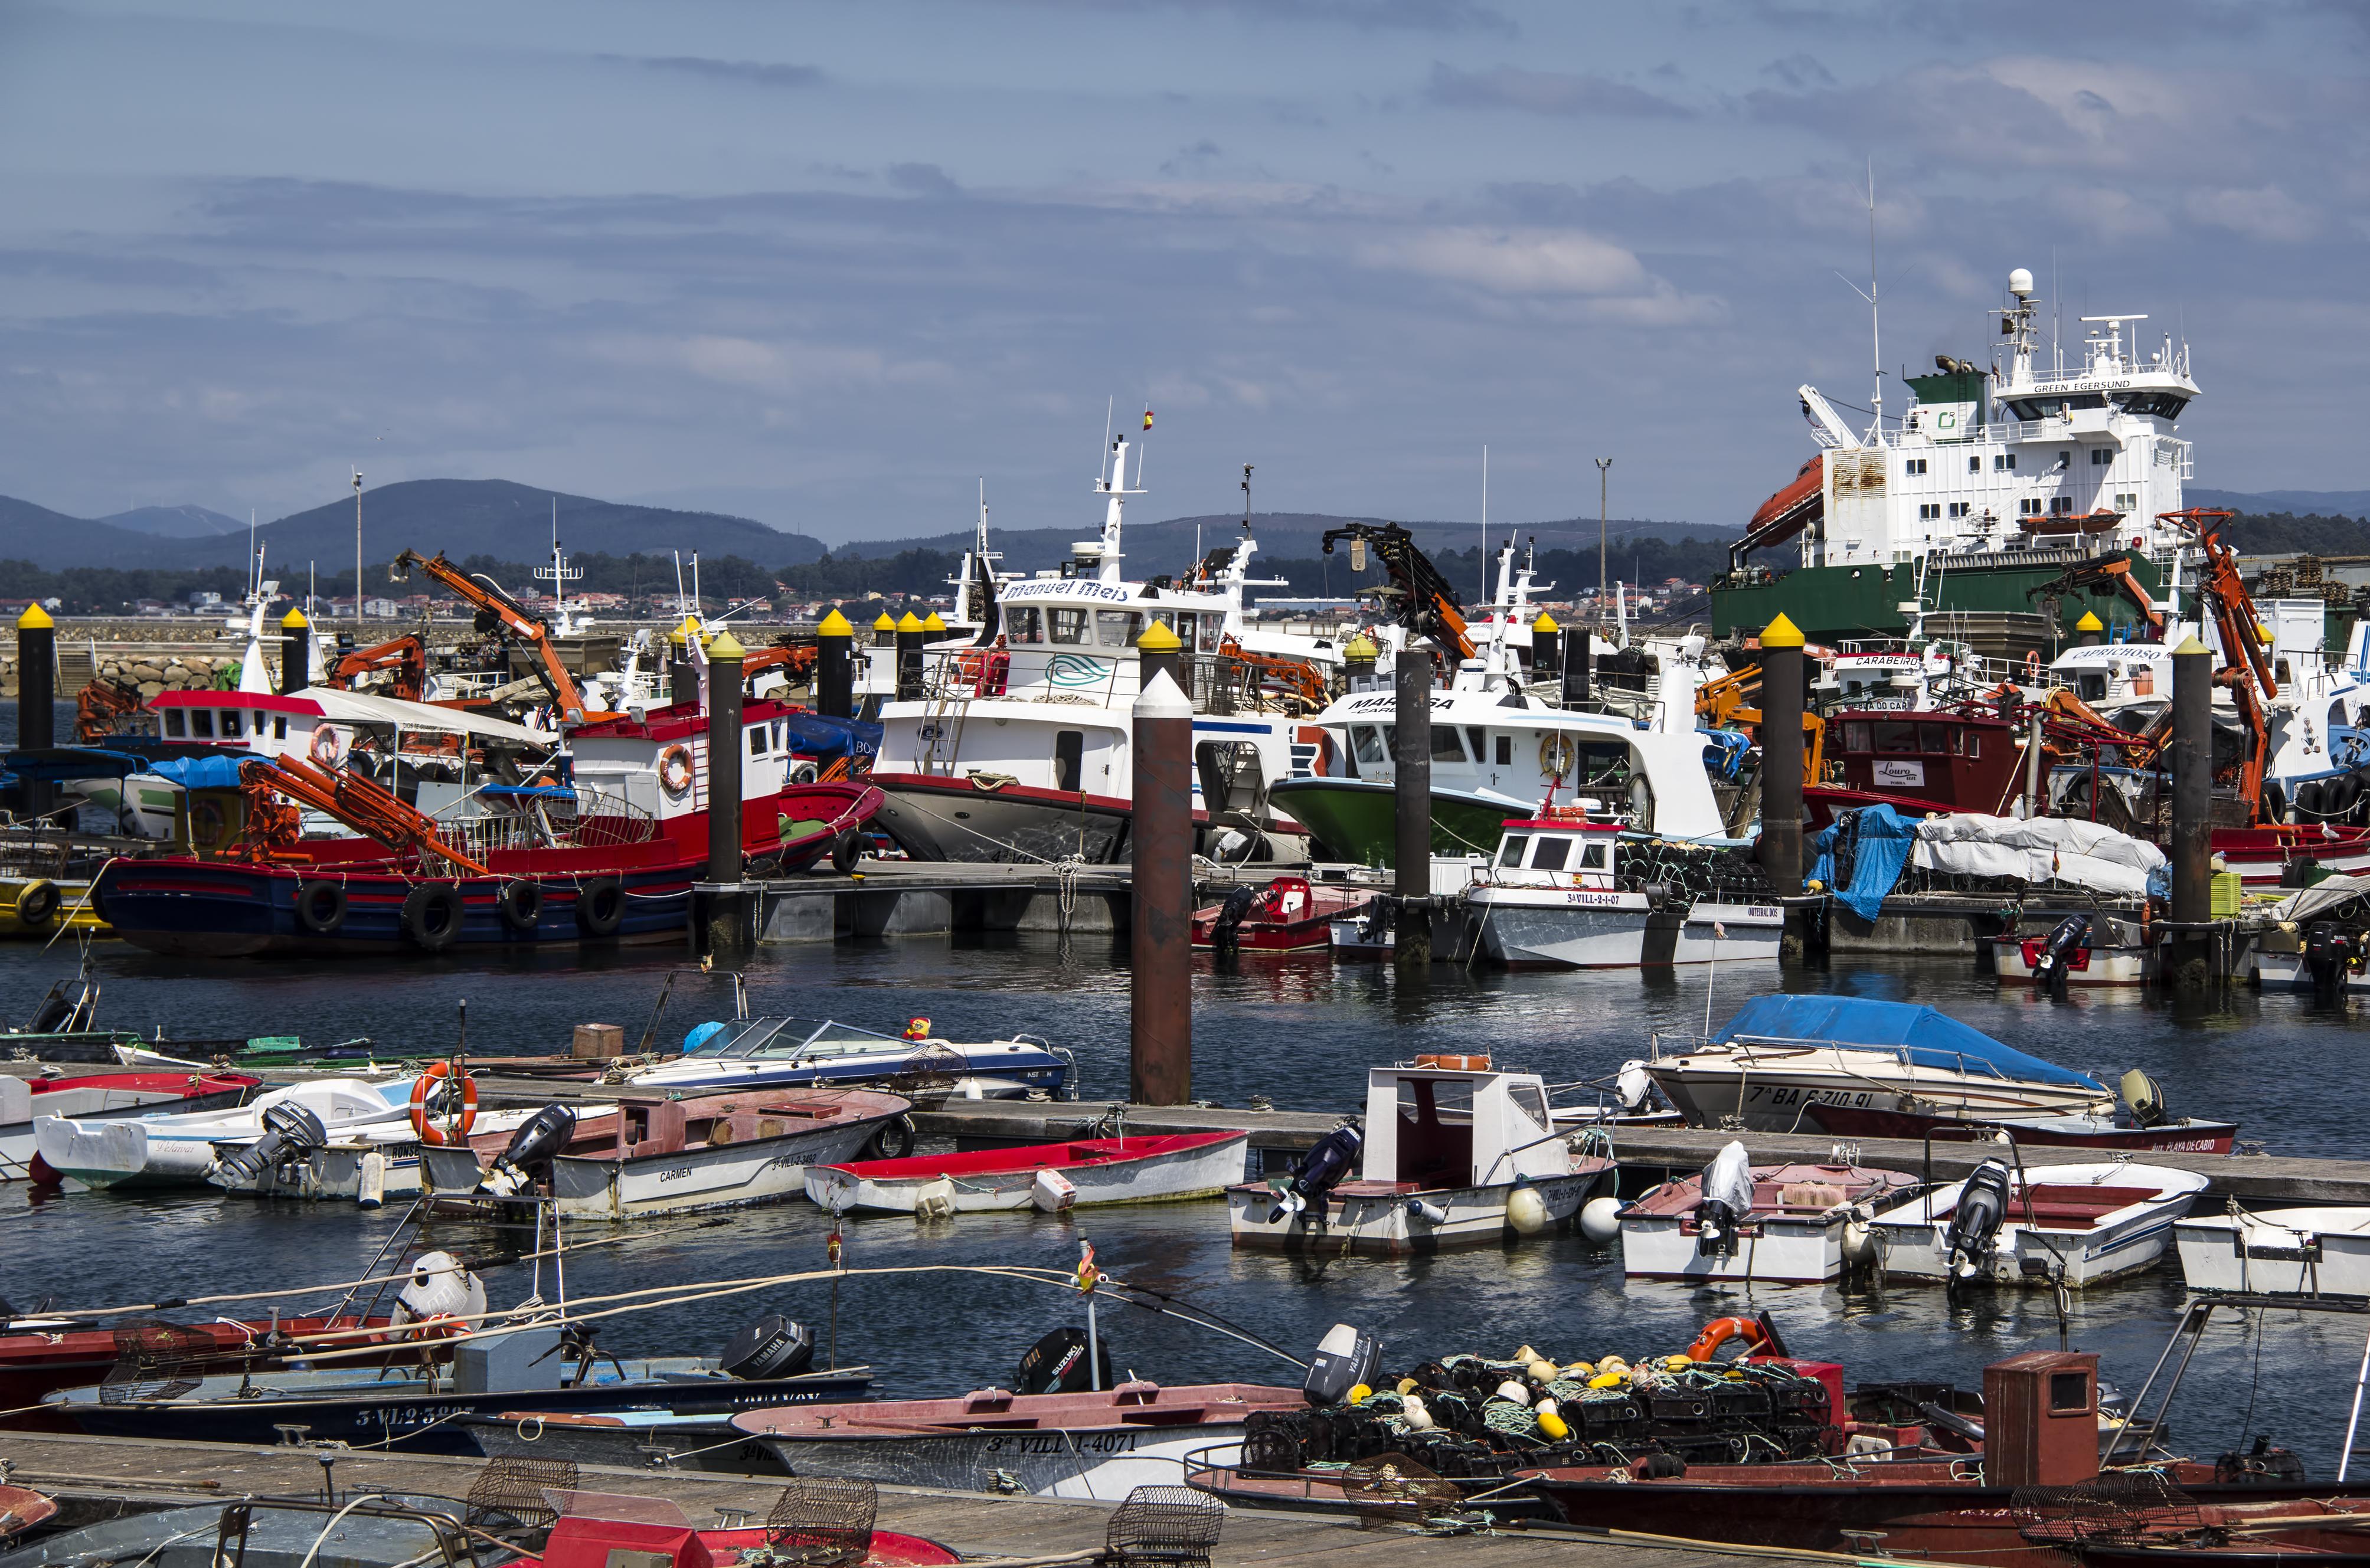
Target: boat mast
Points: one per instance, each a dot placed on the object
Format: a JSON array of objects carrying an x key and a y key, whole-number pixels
[{"x": 1875, "y": 324}]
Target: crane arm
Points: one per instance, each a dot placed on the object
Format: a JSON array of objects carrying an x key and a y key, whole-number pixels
[
  {"x": 1428, "y": 606},
  {"x": 357, "y": 801},
  {"x": 404, "y": 655},
  {"x": 497, "y": 609},
  {"x": 2115, "y": 573}
]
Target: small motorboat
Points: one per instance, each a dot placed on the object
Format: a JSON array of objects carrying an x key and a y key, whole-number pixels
[
  {"x": 2071, "y": 1225},
  {"x": 1781, "y": 1054},
  {"x": 1062, "y": 1445},
  {"x": 662, "y": 1154},
  {"x": 2120, "y": 1131},
  {"x": 39, "y": 1354},
  {"x": 798, "y": 1053},
  {"x": 1452, "y": 1153},
  {"x": 1784, "y": 1224},
  {"x": 2286, "y": 1251},
  {"x": 823, "y": 1523},
  {"x": 21, "y": 1508},
  {"x": 1564, "y": 893},
  {"x": 2089, "y": 949},
  {"x": 94, "y": 1096},
  {"x": 1288, "y": 915},
  {"x": 1163, "y": 1168}
]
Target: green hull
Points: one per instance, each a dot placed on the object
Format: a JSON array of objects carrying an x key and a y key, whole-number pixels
[
  {"x": 1356, "y": 821},
  {"x": 1832, "y": 604}
]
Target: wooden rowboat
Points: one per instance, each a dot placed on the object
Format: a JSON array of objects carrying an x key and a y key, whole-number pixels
[{"x": 1049, "y": 1176}]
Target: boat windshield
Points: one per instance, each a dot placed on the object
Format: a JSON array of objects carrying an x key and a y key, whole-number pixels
[{"x": 796, "y": 1038}]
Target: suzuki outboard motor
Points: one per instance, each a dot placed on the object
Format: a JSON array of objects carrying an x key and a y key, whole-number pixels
[
  {"x": 543, "y": 1135},
  {"x": 1057, "y": 1365},
  {"x": 1318, "y": 1172},
  {"x": 2057, "y": 950},
  {"x": 1345, "y": 1358},
  {"x": 290, "y": 1133},
  {"x": 1983, "y": 1204},
  {"x": 1727, "y": 1200}
]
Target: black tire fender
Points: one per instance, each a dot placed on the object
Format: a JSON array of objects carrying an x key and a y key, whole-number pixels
[
  {"x": 521, "y": 905},
  {"x": 37, "y": 904},
  {"x": 321, "y": 906},
  {"x": 600, "y": 906},
  {"x": 432, "y": 916},
  {"x": 892, "y": 1140},
  {"x": 847, "y": 851}
]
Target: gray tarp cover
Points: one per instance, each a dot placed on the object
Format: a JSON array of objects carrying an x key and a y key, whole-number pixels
[{"x": 2046, "y": 849}]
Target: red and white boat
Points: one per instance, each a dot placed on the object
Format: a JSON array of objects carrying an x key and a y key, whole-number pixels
[
  {"x": 1289, "y": 915},
  {"x": 1048, "y": 1177},
  {"x": 2189, "y": 1135},
  {"x": 1784, "y": 1224},
  {"x": 97, "y": 1095},
  {"x": 39, "y": 1355}
]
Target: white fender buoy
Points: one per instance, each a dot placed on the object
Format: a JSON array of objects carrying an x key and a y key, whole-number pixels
[
  {"x": 934, "y": 1200},
  {"x": 374, "y": 1180},
  {"x": 1600, "y": 1220},
  {"x": 1053, "y": 1192},
  {"x": 1526, "y": 1211}
]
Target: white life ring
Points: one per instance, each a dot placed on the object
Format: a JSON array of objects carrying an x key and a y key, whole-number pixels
[
  {"x": 1557, "y": 752},
  {"x": 327, "y": 750},
  {"x": 674, "y": 769}
]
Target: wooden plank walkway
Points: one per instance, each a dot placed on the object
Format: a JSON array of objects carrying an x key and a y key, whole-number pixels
[{"x": 147, "y": 1473}]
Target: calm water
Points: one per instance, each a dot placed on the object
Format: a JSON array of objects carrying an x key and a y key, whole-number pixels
[{"x": 1302, "y": 1032}]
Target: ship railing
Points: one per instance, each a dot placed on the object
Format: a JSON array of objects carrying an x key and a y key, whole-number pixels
[
  {"x": 1213, "y": 683},
  {"x": 493, "y": 818}
]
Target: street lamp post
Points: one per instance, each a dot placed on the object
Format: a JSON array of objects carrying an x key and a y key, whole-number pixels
[
  {"x": 358, "y": 549},
  {"x": 1603, "y": 463}
]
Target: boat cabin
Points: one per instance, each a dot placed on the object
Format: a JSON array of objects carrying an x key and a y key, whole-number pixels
[
  {"x": 1942, "y": 761},
  {"x": 1555, "y": 852},
  {"x": 1452, "y": 1121}
]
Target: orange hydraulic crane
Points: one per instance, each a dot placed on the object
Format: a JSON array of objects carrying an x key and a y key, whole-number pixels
[
  {"x": 101, "y": 706},
  {"x": 404, "y": 655},
  {"x": 1297, "y": 677},
  {"x": 2114, "y": 572},
  {"x": 1427, "y": 605},
  {"x": 499, "y": 611},
  {"x": 1720, "y": 704},
  {"x": 2247, "y": 670},
  {"x": 352, "y": 797}
]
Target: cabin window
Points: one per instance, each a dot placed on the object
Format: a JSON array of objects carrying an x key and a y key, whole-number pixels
[
  {"x": 1975, "y": 466},
  {"x": 1445, "y": 746},
  {"x": 278, "y": 727},
  {"x": 1532, "y": 1101},
  {"x": 2127, "y": 500},
  {"x": 201, "y": 723},
  {"x": 1551, "y": 855},
  {"x": 1915, "y": 465},
  {"x": 1478, "y": 739},
  {"x": 1856, "y": 735},
  {"x": 757, "y": 740},
  {"x": 1930, "y": 739},
  {"x": 1961, "y": 509},
  {"x": 2090, "y": 687},
  {"x": 2028, "y": 507},
  {"x": 1118, "y": 628},
  {"x": 174, "y": 723},
  {"x": 2003, "y": 462},
  {"x": 2069, "y": 1393},
  {"x": 1892, "y": 735},
  {"x": 1367, "y": 744},
  {"x": 1024, "y": 627},
  {"x": 1930, "y": 511},
  {"x": 1511, "y": 852},
  {"x": 233, "y": 726},
  {"x": 1975, "y": 743},
  {"x": 1594, "y": 857},
  {"x": 1068, "y": 625},
  {"x": 1206, "y": 634},
  {"x": 1505, "y": 750},
  {"x": 2101, "y": 457},
  {"x": 1069, "y": 758},
  {"x": 2061, "y": 506}
]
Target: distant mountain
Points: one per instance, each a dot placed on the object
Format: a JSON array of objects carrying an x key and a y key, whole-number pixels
[
  {"x": 1168, "y": 546},
  {"x": 2302, "y": 503},
  {"x": 176, "y": 523},
  {"x": 52, "y": 540}
]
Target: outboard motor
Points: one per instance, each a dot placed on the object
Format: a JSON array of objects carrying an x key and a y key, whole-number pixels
[
  {"x": 770, "y": 1348},
  {"x": 1227, "y": 926},
  {"x": 1057, "y": 1363},
  {"x": 1318, "y": 1172},
  {"x": 1345, "y": 1358},
  {"x": 543, "y": 1135},
  {"x": 2145, "y": 1098},
  {"x": 1635, "y": 1085},
  {"x": 1727, "y": 1200},
  {"x": 290, "y": 1133},
  {"x": 1982, "y": 1206},
  {"x": 2330, "y": 950},
  {"x": 2056, "y": 951},
  {"x": 441, "y": 1288}
]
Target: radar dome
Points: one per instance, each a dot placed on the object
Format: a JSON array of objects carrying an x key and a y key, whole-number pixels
[{"x": 2019, "y": 282}]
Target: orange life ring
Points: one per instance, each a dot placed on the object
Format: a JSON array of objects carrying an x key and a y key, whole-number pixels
[
  {"x": 422, "y": 1124},
  {"x": 1454, "y": 1063},
  {"x": 1719, "y": 1330},
  {"x": 326, "y": 750},
  {"x": 2033, "y": 667},
  {"x": 674, "y": 769}
]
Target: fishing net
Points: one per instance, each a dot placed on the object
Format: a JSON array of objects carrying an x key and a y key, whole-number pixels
[{"x": 2120, "y": 1505}]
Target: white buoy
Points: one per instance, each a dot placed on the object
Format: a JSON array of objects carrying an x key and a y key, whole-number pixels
[
  {"x": 1053, "y": 1192},
  {"x": 1414, "y": 1415},
  {"x": 1600, "y": 1220},
  {"x": 934, "y": 1200},
  {"x": 372, "y": 1181},
  {"x": 1514, "y": 1392},
  {"x": 1526, "y": 1211}
]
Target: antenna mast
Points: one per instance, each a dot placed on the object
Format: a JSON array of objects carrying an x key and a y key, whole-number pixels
[{"x": 1875, "y": 325}]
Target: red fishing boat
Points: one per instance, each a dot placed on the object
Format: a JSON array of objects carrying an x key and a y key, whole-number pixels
[
  {"x": 818, "y": 1520},
  {"x": 1289, "y": 915},
  {"x": 1916, "y": 762},
  {"x": 39, "y": 1356}
]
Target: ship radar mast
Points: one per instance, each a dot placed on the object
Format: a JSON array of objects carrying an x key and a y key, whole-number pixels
[
  {"x": 1104, "y": 550},
  {"x": 559, "y": 574},
  {"x": 2017, "y": 326}
]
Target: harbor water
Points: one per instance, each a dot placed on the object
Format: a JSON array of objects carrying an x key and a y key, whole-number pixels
[{"x": 1302, "y": 1032}]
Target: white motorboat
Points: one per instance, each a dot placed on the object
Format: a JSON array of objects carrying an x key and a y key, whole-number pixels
[
  {"x": 1565, "y": 892},
  {"x": 2296, "y": 1251},
  {"x": 1784, "y": 1224},
  {"x": 1452, "y": 1153},
  {"x": 2078, "y": 1225},
  {"x": 1780, "y": 1055},
  {"x": 777, "y": 1052}
]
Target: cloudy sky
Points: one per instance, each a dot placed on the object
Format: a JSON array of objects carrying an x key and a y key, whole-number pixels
[{"x": 829, "y": 264}]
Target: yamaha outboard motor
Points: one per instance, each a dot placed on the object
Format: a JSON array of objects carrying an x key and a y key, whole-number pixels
[
  {"x": 290, "y": 1133},
  {"x": 1318, "y": 1172},
  {"x": 2057, "y": 950},
  {"x": 1345, "y": 1358},
  {"x": 770, "y": 1348},
  {"x": 1982, "y": 1206},
  {"x": 543, "y": 1135},
  {"x": 1228, "y": 924},
  {"x": 1727, "y": 1200}
]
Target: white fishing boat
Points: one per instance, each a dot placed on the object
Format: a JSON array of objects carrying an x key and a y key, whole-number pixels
[
  {"x": 2078, "y": 1225},
  {"x": 1452, "y": 1153},
  {"x": 2284, "y": 1252},
  {"x": 1565, "y": 892},
  {"x": 1780, "y": 1055},
  {"x": 777, "y": 1052},
  {"x": 717, "y": 1151},
  {"x": 1782, "y": 1224},
  {"x": 1053, "y": 1177}
]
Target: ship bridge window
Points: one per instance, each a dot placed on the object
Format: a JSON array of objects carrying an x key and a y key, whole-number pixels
[
  {"x": 1592, "y": 857},
  {"x": 1026, "y": 626},
  {"x": 2046, "y": 407},
  {"x": 2090, "y": 687},
  {"x": 1116, "y": 629},
  {"x": 1068, "y": 625},
  {"x": 232, "y": 724},
  {"x": 1445, "y": 746},
  {"x": 175, "y": 726},
  {"x": 1894, "y": 737},
  {"x": 201, "y": 723},
  {"x": 1856, "y": 735},
  {"x": 756, "y": 740},
  {"x": 2158, "y": 405},
  {"x": 1510, "y": 853},
  {"x": 1366, "y": 743},
  {"x": 1551, "y": 855}
]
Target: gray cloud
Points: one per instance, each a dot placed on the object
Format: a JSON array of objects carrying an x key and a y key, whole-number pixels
[
  {"x": 923, "y": 179},
  {"x": 758, "y": 73},
  {"x": 1548, "y": 92},
  {"x": 1376, "y": 15},
  {"x": 1800, "y": 71}
]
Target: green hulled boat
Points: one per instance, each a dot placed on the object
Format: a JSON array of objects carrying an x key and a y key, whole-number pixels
[{"x": 1356, "y": 819}]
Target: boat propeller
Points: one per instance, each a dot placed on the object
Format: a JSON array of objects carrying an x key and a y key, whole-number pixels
[
  {"x": 1318, "y": 1172},
  {"x": 530, "y": 1149},
  {"x": 2057, "y": 950},
  {"x": 290, "y": 1132}
]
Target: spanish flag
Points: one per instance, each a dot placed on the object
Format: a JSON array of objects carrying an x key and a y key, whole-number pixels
[{"x": 1147, "y": 419}]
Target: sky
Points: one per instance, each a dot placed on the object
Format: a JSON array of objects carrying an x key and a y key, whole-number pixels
[{"x": 835, "y": 265}]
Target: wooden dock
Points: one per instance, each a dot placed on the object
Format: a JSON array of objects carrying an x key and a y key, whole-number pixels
[
  {"x": 899, "y": 898},
  {"x": 98, "y": 1477}
]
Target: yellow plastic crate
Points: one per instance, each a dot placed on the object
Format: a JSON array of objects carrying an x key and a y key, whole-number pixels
[{"x": 2225, "y": 894}]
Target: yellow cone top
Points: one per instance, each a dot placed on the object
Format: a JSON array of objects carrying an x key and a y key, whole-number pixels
[
  {"x": 293, "y": 621},
  {"x": 1545, "y": 623},
  {"x": 912, "y": 622},
  {"x": 834, "y": 625},
  {"x": 685, "y": 633},
  {"x": 884, "y": 624},
  {"x": 2262, "y": 634},
  {"x": 1362, "y": 649},
  {"x": 1158, "y": 639},
  {"x": 726, "y": 645},
  {"x": 2191, "y": 644},
  {"x": 933, "y": 624},
  {"x": 34, "y": 619},
  {"x": 2089, "y": 623},
  {"x": 1782, "y": 633}
]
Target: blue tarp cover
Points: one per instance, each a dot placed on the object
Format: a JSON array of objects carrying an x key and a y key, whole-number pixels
[
  {"x": 1932, "y": 1038},
  {"x": 1870, "y": 845},
  {"x": 828, "y": 740},
  {"x": 199, "y": 772}
]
